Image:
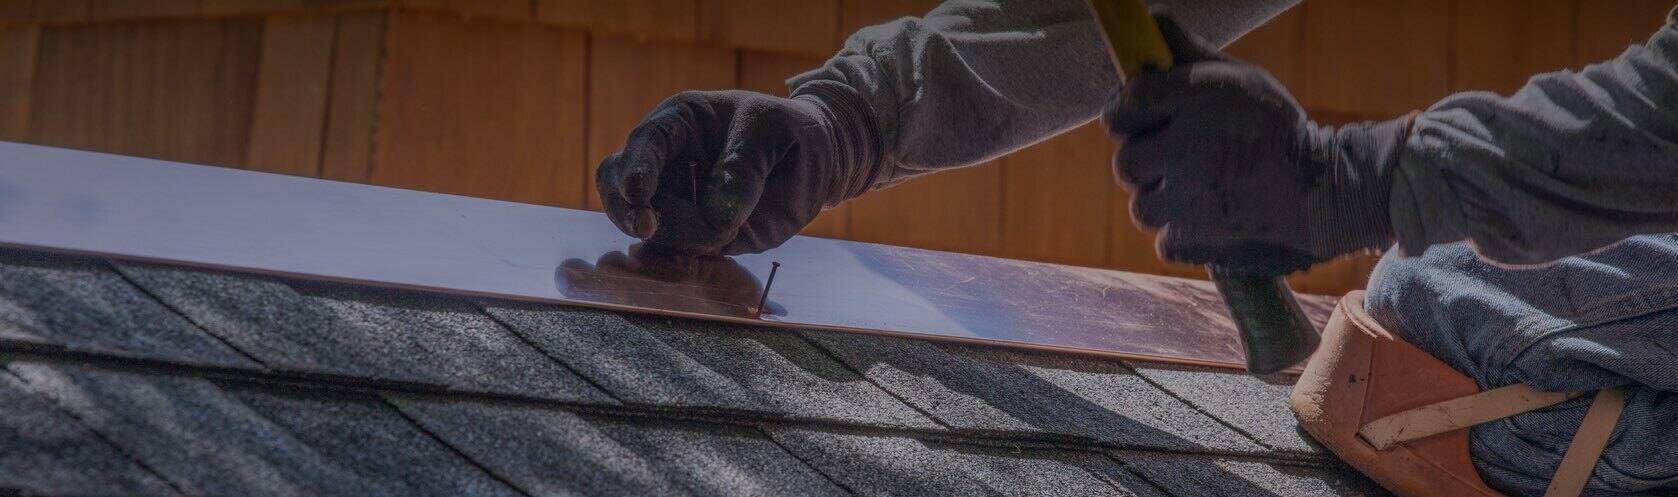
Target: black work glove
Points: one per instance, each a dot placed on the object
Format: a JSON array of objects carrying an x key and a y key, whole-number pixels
[
  {"x": 1221, "y": 160},
  {"x": 731, "y": 172}
]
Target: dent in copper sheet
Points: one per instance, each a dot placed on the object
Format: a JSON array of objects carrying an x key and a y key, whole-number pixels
[{"x": 648, "y": 278}]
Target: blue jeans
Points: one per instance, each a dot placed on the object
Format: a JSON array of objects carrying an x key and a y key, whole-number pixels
[{"x": 1583, "y": 323}]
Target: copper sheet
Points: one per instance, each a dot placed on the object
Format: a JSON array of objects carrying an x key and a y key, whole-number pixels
[{"x": 124, "y": 207}]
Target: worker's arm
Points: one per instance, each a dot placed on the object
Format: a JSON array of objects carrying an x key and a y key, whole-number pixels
[
  {"x": 1572, "y": 162},
  {"x": 1222, "y": 158},
  {"x": 973, "y": 80},
  {"x": 733, "y": 172}
]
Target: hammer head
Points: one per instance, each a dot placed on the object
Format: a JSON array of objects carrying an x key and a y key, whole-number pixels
[{"x": 1274, "y": 330}]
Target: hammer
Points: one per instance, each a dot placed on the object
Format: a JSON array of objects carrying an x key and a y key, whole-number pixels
[{"x": 1274, "y": 331}]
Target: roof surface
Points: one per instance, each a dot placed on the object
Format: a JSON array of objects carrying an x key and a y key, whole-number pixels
[{"x": 137, "y": 379}]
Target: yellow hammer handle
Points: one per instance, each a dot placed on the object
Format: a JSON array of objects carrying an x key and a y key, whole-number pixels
[
  {"x": 1274, "y": 329},
  {"x": 1133, "y": 39}
]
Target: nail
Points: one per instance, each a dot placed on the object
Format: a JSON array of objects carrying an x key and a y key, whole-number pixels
[{"x": 773, "y": 267}]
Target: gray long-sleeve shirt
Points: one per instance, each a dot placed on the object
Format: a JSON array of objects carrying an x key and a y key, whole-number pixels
[
  {"x": 1571, "y": 162},
  {"x": 976, "y": 79}
]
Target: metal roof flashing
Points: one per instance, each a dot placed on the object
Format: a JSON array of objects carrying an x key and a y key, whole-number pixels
[{"x": 142, "y": 209}]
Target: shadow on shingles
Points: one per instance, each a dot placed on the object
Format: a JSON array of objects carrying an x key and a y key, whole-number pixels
[
  {"x": 997, "y": 379},
  {"x": 395, "y": 299},
  {"x": 1343, "y": 480},
  {"x": 1188, "y": 476},
  {"x": 716, "y": 460},
  {"x": 787, "y": 344},
  {"x": 1000, "y": 380},
  {"x": 169, "y": 423},
  {"x": 871, "y": 463},
  {"x": 1275, "y": 379}
]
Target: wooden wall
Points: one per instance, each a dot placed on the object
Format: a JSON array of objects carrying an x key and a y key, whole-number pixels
[{"x": 518, "y": 99}]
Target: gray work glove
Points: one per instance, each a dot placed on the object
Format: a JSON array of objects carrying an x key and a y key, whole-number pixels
[
  {"x": 1221, "y": 161},
  {"x": 731, "y": 172}
]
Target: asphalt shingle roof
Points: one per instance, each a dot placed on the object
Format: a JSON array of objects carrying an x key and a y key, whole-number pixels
[{"x": 140, "y": 379}]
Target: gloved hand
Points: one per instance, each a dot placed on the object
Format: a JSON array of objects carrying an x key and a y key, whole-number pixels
[
  {"x": 1221, "y": 160},
  {"x": 730, "y": 172}
]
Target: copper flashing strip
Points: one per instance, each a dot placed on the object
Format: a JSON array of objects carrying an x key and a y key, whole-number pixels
[{"x": 131, "y": 208}]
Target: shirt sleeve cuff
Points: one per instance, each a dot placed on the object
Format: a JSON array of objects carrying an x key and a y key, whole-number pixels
[
  {"x": 1424, "y": 209},
  {"x": 859, "y": 158}
]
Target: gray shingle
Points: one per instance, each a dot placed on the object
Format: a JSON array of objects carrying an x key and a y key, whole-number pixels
[
  {"x": 207, "y": 439},
  {"x": 43, "y": 450},
  {"x": 369, "y": 438},
  {"x": 541, "y": 451},
  {"x": 363, "y": 332},
  {"x": 211, "y": 438},
  {"x": 977, "y": 388},
  {"x": 194, "y": 434},
  {"x": 887, "y": 465},
  {"x": 624, "y": 358},
  {"x": 1257, "y": 406},
  {"x": 693, "y": 363},
  {"x": 547, "y": 451},
  {"x": 720, "y": 460},
  {"x": 82, "y": 304},
  {"x": 1200, "y": 476}
]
